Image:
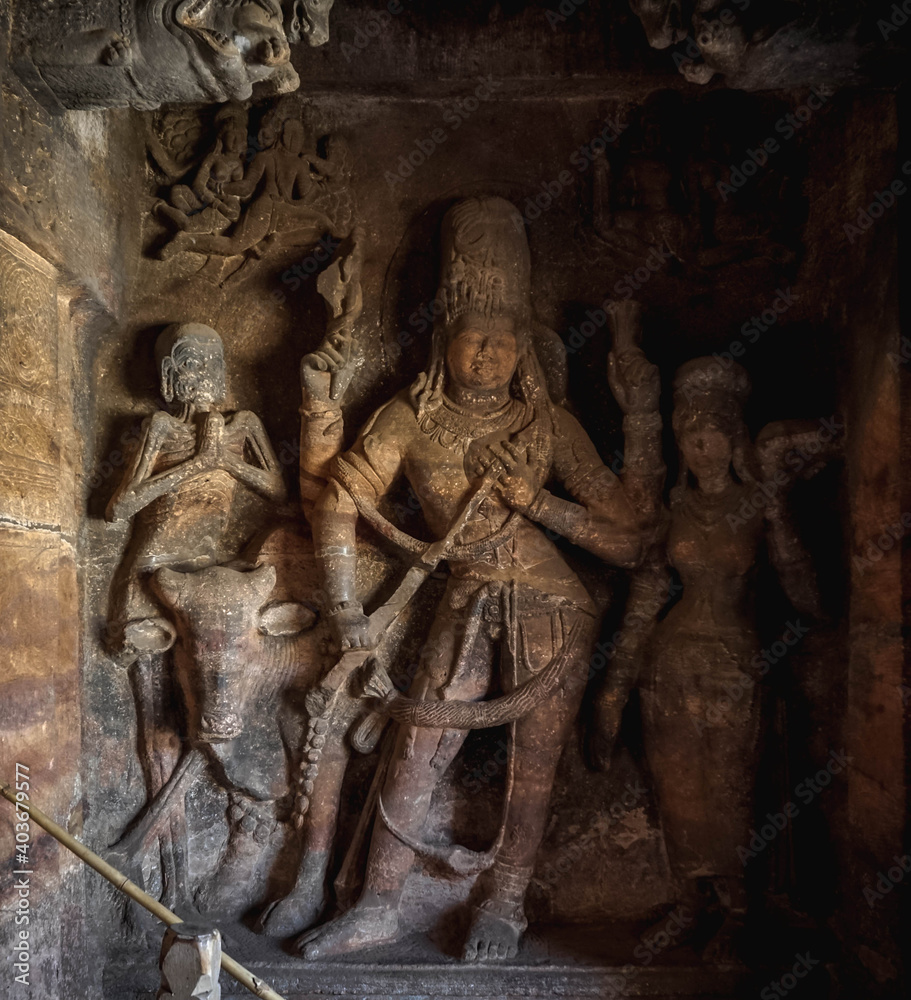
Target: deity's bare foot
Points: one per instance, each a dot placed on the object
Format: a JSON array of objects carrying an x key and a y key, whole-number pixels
[
  {"x": 117, "y": 52},
  {"x": 304, "y": 905},
  {"x": 723, "y": 949},
  {"x": 495, "y": 931},
  {"x": 361, "y": 927}
]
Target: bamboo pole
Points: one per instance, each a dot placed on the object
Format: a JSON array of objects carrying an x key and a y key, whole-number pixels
[{"x": 256, "y": 986}]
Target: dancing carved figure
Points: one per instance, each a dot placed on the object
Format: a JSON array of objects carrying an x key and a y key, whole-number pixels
[
  {"x": 701, "y": 745},
  {"x": 478, "y": 438}
]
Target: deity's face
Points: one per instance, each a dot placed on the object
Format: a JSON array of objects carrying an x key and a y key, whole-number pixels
[
  {"x": 482, "y": 353},
  {"x": 196, "y": 369},
  {"x": 706, "y": 448}
]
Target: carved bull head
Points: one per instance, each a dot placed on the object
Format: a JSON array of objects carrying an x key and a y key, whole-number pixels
[{"x": 222, "y": 615}]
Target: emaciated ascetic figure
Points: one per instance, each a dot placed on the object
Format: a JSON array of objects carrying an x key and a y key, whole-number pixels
[{"x": 479, "y": 422}]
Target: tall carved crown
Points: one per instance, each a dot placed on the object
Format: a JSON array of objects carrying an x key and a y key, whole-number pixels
[
  {"x": 711, "y": 377},
  {"x": 486, "y": 266}
]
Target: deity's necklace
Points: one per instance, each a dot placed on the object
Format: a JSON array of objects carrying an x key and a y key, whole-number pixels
[
  {"x": 454, "y": 426},
  {"x": 709, "y": 508}
]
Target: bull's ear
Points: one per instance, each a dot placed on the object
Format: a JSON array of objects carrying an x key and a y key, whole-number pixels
[
  {"x": 150, "y": 635},
  {"x": 263, "y": 580},
  {"x": 169, "y": 584},
  {"x": 286, "y": 618}
]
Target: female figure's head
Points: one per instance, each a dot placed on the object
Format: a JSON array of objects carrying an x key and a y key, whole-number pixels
[
  {"x": 232, "y": 129},
  {"x": 714, "y": 445},
  {"x": 191, "y": 360}
]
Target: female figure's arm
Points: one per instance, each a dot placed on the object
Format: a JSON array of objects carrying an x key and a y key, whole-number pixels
[
  {"x": 636, "y": 385},
  {"x": 788, "y": 450},
  {"x": 651, "y": 589}
]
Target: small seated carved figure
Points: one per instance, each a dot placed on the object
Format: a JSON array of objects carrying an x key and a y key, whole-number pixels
[
  {"x": 287, "y": 196},
  {"x": 203, "y": 205}
]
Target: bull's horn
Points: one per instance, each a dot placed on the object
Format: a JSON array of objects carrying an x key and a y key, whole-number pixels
[
  {"x": 263, "y": 579},
  {"x": 169, "y": 584}
]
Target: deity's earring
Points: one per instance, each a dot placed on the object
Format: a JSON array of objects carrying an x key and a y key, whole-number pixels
[{"x": 167, "y": 380}]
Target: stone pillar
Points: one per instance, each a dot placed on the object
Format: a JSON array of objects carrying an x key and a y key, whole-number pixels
[{"x": 40, "y": 720}]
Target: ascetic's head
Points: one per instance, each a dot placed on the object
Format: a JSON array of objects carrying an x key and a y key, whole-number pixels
[{"x": 191, "y": 359}]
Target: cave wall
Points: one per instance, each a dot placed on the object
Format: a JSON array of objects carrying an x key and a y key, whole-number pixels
[{"x": 77, "y": 245}]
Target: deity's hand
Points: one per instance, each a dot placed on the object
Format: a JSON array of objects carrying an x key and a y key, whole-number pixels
[
  {"x": 326, "y": 374},
  {"x": 516, "y": 484},
  {"x": 634, "y": 381},
  {"x": 351, "y": 627}
]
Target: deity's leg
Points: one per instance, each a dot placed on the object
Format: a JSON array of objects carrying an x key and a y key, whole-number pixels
[
  {"x": 419, "y": 759},
  {"x": 498, "y": 919}
]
